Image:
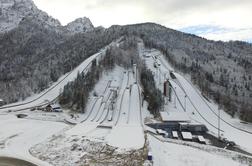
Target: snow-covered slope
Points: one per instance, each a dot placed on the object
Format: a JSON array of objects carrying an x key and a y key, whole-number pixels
[
  {"x": 210, "y": 112},
  {"x": 80, "y": 25},
  {"x": 52, "y": 93},
  {"x": 196, "y": 106},
  {"x": 128, "y": 132}
]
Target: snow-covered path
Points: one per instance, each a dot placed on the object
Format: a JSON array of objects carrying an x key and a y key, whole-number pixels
[
  {"x": 95, "y": 110},
  {"x": 123, "y": 86},
  {"x": 135, "y": 106},
  {"x": 124, "y": 110}
]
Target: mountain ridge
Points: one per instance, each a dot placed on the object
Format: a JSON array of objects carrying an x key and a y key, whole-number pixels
[{"x": 12, "y": 12}]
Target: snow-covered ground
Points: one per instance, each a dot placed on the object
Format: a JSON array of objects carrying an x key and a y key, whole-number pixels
[
  {"x": 111, "y": 130},
  {"x": 17, "y": 136},
  {"x": 165, "y": 153},
  {"x": 79, "y": 151}
]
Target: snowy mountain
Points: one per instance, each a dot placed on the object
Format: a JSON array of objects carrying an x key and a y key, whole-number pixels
[
  {"x": 42, "y": 50},
  {"x": 217, "y": 67},
  {"x": 80, "y": 25},
  {"x": 13, "y": 11}
]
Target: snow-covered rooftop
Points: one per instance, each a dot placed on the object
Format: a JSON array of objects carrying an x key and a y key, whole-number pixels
[
  {"x": 160, "y": 131},
  {"x": 54, "y": 106},
  {"x": 201, "y": 138},
  {"x": 175, "y": 134},
  {"x": 175, "y": 116},
  {"x": 191, "y": 123},
  {"x": 186, "y": 135}
]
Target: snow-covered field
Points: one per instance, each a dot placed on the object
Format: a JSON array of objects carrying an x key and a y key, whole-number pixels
[
  {"x": 165, "y": 153},
  {"x": 17, "y": 136}
]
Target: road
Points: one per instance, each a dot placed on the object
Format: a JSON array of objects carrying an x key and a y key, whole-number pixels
[{"x": 7, "y": 161}]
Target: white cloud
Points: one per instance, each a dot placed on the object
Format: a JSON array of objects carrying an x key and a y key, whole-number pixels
[
  {"x": 233, "y": 34},
  {"x": 175, "y": 14}
]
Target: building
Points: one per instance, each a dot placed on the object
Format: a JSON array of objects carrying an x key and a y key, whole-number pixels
[
  {"x": 1, "y": 102},
  {"x": 167, "y": 89},
  {"x": 192, "y": 127},
  {"x": 56, "y": 108},
  {"x": 175, "y": 134},
  {"x": 187, "y": 136},
  {"x": 180, "y": 121},
  {"x": 178, "y": 125},
  {"x": 53, "y": 108},
  {"x": 201, "y": 139},
  {"x": 161, "y": 132},
  {"x": 48, "y": 108}
]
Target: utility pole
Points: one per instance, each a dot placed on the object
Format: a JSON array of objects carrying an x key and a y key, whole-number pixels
[
  {"x": 175, "y": 98},
  {"x": 185, "y": 102},
  {"x": 219, "y": 124}
]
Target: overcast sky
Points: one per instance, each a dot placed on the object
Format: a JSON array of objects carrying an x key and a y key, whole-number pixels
[{"x": 213, "y": 19}]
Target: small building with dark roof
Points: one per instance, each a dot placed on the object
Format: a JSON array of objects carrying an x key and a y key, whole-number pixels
[{"x": 1, "y": 102}]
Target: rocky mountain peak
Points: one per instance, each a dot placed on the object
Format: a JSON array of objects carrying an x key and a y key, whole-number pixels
[
  {"x": 80, "y": 25},
  {"x": 13, "y": 11}
]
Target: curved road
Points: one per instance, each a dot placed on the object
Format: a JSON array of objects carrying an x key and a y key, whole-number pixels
[{"x": 8, "y": 161}]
